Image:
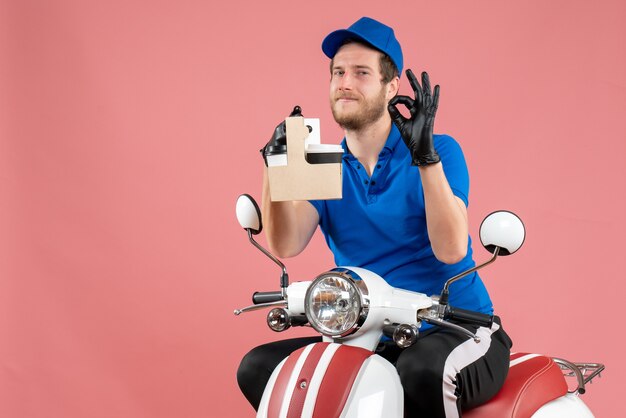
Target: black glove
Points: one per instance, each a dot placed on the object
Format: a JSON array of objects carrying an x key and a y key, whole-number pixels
[
  {"x": 417, "y": 131},
  {"x": 278, "y": 142}
]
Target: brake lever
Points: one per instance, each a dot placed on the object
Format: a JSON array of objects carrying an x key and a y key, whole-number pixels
[
  {"x": 434, "y": 321},
  {"x": 260, "y": 306}
]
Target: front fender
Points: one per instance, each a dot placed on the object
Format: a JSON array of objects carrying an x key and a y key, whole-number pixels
[{"x": 332, "y": 380}]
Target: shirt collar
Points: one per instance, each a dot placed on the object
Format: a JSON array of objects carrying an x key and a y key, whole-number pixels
[{"x": 393, "y": 139}]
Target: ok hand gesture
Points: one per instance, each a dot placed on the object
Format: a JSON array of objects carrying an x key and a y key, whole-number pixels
[{"x": 417, "y": 131}]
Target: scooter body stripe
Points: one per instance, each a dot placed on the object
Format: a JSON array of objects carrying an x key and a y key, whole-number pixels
[
  {"x": 338, "y": 380},
  {"x": 316, "y": 380},
  {"x": 302, "y": 384},
  {"x": 521, "y": 359},
  {"x": 283, "y": 388}
]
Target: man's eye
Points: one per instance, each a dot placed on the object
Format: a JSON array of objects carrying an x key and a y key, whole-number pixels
[{"x": 338, "y": 73}]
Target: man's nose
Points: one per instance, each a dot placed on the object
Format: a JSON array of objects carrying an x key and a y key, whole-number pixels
[{"x": 346, "y": 81}]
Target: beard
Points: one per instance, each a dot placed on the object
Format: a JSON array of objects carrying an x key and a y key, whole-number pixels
[{"x": 368, "y": 111}]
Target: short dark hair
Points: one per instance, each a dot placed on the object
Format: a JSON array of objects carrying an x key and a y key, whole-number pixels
[{"x": 387, "y": 68}]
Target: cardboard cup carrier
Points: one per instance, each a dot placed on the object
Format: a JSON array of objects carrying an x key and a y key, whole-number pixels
[{"x": 308, "y": 170}]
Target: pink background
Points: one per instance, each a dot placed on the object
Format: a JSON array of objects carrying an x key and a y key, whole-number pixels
[{"x": 128, "y": 129}]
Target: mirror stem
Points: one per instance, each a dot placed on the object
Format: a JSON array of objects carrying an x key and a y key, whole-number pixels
[
  {"x": 284, "y": 278},
  {"x": 443, "y": 300}
]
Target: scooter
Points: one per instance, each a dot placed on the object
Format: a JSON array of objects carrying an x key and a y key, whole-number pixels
[{"x": 352, "y": 308}]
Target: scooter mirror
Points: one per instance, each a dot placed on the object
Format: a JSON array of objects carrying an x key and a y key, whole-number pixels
[
  {"x": 249, "y": 214},
  {"x": 502, "y": 229}
]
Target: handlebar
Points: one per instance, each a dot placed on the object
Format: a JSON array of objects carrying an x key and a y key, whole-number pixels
[
  {"x": 469, "y": 317},
  {"x": 388, "y": 330},
  {"x": 267, "y": 297}
]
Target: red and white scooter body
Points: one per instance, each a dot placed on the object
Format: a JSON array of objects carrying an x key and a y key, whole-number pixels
[
  {"x": 326, "y": 380},
  {"x": 333, "y": 380},
  {"x": 346, "y": 379}
]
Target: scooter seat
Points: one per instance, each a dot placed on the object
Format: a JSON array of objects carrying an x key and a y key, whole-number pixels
[{"x": 533, "y": 381}]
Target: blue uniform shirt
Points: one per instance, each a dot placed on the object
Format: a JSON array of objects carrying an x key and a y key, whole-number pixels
[{"x": 380, "y": 223}]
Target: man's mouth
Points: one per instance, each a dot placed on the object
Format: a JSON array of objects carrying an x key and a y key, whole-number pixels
[{"x": 346, "y": 99}]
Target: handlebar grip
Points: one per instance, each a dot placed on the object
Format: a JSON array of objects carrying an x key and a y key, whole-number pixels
[
  {"x": 388, "y": 330},
  {"x": 266, "y": 297},
  {"x": 470, "y": 317}
]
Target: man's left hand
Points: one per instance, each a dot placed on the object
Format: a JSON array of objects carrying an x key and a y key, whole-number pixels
[{"x": 417, "y": 131}]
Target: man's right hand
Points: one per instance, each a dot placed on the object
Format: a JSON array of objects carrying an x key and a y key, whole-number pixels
[{"x": 278, "y": 142}]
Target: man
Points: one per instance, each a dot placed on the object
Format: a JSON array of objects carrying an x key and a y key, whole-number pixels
[{"x": 403, "y": 215}]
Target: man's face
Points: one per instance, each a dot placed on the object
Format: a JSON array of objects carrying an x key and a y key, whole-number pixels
[{"x": 357, "y": 96}]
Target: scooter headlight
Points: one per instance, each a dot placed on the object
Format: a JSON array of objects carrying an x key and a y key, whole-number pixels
[{"x": 335, "y": 304}]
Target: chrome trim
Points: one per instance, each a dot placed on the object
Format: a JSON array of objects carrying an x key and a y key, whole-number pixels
[
  {"x": 465, "y": 273},
  {"x": 436, "y": 310},
  {"x": 364, "y": 301},
  {"x": 271, "y": 257},
  {"x": 584, "y": 372},
  {"x": 281, "y": 316},
  {"x": 407, "y": 331}
]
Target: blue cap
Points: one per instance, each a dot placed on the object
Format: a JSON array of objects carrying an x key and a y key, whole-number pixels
[{"x": 370, "y": 31}]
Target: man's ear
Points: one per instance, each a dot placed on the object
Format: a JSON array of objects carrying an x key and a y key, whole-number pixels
[{"x": 392, "y": 88}]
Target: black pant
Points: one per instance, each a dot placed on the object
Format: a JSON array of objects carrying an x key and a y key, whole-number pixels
[{"x": 442, "y": 373}]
